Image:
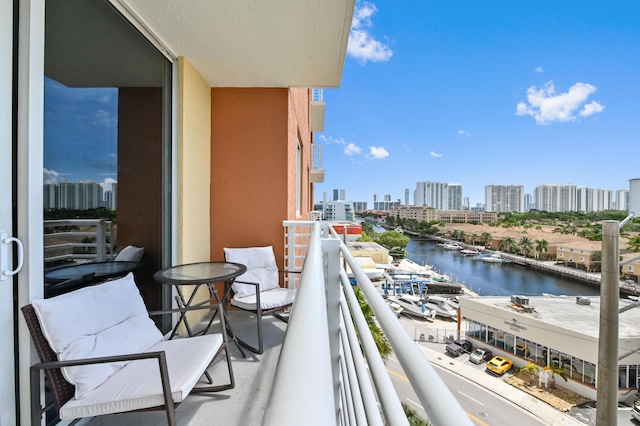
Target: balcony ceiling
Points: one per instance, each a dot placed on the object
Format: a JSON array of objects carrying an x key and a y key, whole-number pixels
[{"x": 241, "y": 43}]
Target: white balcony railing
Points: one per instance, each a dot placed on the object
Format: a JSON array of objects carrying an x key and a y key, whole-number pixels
[
  {"x": 73, "y": 239},
  {"x": 328, "y": 346}
]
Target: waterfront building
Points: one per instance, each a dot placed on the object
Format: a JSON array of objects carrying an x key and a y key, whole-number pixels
[
  {"x": 554, "y": 330},
  {"x": 428, "y": 214},
  {"x": 432, "y": 194},
  {"x": 585, "y": 255},
  {"x": 504, "y": 198},
  {"x": 631, "y": 270}
]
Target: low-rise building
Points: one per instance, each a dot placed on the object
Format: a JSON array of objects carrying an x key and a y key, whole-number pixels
[
  {"x": 428, "y": 214},
  {"x": 585, "y": 255},
  {"x": 554, "y": 330}
]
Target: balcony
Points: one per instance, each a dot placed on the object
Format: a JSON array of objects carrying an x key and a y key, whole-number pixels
[
  {"x": 323, "y": 365},
  {"x": 317, "y": 172},
  {"x": 317, "y": 110}
]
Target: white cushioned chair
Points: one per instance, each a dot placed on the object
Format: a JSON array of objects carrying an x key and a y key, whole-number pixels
[
  {"x": 258, "y": 290},
  {"x": 102, "y": 354},
  {"x": 130, "y": 254}
]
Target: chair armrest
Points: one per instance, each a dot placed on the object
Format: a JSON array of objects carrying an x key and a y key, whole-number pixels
[{"x": 99, "y": 360}]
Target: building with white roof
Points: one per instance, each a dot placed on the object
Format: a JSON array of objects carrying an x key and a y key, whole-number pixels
[{"x": 558, "y": 330}]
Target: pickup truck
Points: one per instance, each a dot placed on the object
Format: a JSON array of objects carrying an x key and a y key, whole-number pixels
[{"x": 458, "y": 347}]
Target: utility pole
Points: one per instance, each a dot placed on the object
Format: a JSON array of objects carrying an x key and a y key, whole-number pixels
[{"x": 607, "y": 383}]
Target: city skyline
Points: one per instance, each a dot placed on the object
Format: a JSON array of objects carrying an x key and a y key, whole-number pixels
[{"x": 499, "y": 93}]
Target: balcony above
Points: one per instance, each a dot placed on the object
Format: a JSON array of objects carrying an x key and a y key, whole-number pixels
[
  {"x": 317, "y": 172},
  {"x": 317, "y": 111}
]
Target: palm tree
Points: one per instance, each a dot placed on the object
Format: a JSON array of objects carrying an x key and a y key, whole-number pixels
[
  {"x": 413, "y": 417},
  {"x": 486, "y": 238},
  {"x": 532, "y": 369},
  {"x": 526, "y": 246},
  {"x": 553, "y": 370},
  {"x": 473, "y": 238},
  {"x": 509, "y": 245},
  {"x": 634, "y": 243},
  {"x": 541, "y": 246}
]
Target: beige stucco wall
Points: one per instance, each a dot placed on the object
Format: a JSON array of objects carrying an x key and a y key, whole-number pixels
[{"x": 194, "y": 165}]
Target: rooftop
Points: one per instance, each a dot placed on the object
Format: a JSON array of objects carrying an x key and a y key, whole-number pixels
[{"x": 565, "y": 312}]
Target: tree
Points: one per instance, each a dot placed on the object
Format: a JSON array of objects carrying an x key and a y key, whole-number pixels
[
  {"x": 634, "y": 243},
  {"x": 383, "y": 345},
  {"x": 392, "y": 239},
  {"x": 413, "y": 417},
  {"x": 485, "y": 239},
  {"x": 509, "y": 245},
  {"x": 526, "y": 246},
  {"x": 553, "y": 370},
  {"x": 532, "y": 369},
  {"x": 541, "y": 246}
]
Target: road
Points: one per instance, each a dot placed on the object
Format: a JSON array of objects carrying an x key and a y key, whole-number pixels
[{"x": 483, "y": 407}]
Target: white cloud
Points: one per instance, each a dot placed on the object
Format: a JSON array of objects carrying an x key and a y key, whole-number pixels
[
  {"x": 591, "y": 108},
  {"x": 352, "y": 149},
  {"x": 435, "y": 154},
  {"x": 377, "y": 153},
  {"x": 545, "y": 106},
  {"x": 107, "y": 184},
  {"x": 50, "y": 176},
  {"x": 362, "y": 46},
  {"x": 463, "y": 133},
  {"x": 540, "y": 69}
]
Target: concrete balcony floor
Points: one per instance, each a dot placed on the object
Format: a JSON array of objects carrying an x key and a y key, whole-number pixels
[{"x": 243, "y": 405}]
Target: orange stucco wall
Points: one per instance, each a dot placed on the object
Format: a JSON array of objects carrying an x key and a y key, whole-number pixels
[{"x": 254, "y": 134}]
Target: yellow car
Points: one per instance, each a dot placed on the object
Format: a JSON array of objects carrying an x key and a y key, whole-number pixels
[{"x": 499, "y": 365}]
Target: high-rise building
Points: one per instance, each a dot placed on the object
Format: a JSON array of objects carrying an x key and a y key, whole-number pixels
[
  {"x": 622, "y": 199},
  {"x": 504, "y": 198},
  {"x": 432, "y": 194},
  {"x": 73, "y": 195},
  {"x": 406, "y": 196},
  {"x": 455, "y": 197},
  {"x": 339, "y": 210},
  {"x": 528, "y": 202},
  {"x": 567, "y": 198},
  {"x": 634, "y": 196}
]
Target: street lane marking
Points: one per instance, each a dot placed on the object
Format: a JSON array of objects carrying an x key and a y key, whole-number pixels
[
  {"x": 474, "y": 400},
  {"x": 416, "y": 404},
  {"x": 474, "y": 418}
]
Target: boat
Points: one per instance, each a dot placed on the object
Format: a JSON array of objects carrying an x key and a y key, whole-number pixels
[
  {"x": 470, "y": 252},
  {"x": 492, "y": 258},
  {"x": 452, "y": 246},
  {"x": 412, "y": 305},
  {"x": 442, "y": 306}
]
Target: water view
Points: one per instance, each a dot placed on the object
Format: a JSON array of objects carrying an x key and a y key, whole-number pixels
[{"x": 490, "y": 279}]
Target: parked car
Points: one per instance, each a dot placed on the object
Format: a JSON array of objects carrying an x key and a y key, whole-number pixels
[
  {"x": 499, "y": 365},
  {"x": 522, "y": 350},
  {"x": 458, "y": 347},
  {"x": 480, "y": 355}
]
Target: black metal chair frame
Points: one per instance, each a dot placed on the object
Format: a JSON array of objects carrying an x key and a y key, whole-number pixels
[{"x": 62, "y": 391}]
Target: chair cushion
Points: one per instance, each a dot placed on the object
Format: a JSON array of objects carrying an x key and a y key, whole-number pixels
[
  {"x": 261, "y": 268},
  {"x": 101, "y": 320},
  {"x": 138, "y": 385},
  {"x": 274, "y": 298},
  {"x": 130, "y": 254}
]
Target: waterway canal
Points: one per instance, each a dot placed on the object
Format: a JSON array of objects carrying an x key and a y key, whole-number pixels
[{"x": 491, "y": 279}]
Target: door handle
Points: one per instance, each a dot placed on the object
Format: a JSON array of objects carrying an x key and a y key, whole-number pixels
[{"x": 5, "y": 240}]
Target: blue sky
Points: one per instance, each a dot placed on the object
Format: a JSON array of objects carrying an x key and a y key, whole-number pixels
[
  {"x": 479, "y": 93},
  {"x": 80, "y": 128}
]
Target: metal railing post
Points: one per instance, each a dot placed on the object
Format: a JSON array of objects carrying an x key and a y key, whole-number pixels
[
  {"x": 331, "y": 251},
  {"x": 101, "y": 241},
  {"x": 607, "y": 384}
]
